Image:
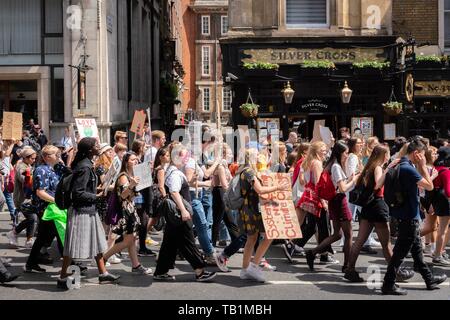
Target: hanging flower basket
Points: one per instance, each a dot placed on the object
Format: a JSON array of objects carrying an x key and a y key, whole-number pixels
[
  {"x": 393, "y": 108},
  {"x": 260, "y": 69},
  {"x": 249, "y": 110}
]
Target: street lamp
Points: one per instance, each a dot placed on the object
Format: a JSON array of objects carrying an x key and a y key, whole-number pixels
[
  {"x": 288, "y": 93},
  {"x": 346, "y": 93}
]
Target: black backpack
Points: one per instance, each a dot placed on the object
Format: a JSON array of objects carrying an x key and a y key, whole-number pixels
[
  {"x": 361, "y": 195},
  {"x": 393, "y": 193},
  {"x": 63, "y": 194}
]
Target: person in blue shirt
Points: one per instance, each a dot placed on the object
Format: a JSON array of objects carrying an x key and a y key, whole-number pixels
[{"x": 413, "y": 174}]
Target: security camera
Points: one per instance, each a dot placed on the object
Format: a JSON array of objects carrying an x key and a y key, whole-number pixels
[{"x": 231, "y": 77}]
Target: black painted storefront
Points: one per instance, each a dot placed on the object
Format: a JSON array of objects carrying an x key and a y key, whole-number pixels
[{"x": 317, "y": 93}]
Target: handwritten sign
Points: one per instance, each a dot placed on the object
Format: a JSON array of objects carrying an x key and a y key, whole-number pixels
[
  {"x": 316, "y": 131},
  {"x": 87, "y": 127},
  {"x": 112, "y": 174},
  {"x": 12, "y": 126},
  {"x": 143, "y": 172},
  {"x": 277, "y": 209},
  {"x": 138, "y": 121}
]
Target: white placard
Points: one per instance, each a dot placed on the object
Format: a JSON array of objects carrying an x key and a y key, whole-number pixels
[
  {"x": 87, "y": 127},
  {"x": 390, "y": 131},
  {"x": 326, "y": 135},
  {"x": 143, "y": 172}
]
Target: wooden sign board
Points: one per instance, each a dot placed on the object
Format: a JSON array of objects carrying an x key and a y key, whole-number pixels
[
  {"x": 277, "y": 209},
  {"x": 138, "y": 121},
  {"x": 12, "y": 126}
]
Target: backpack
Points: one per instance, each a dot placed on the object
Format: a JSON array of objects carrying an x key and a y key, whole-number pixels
[
  {"x": 325, "y": 187},
  {"x": 63, "y": 194},
  {"x": 9, "y": 182},
  {"x": 232, "y": 197},
  {"x": 393, "y": 194},
  {"x": 361, "y": 195}
]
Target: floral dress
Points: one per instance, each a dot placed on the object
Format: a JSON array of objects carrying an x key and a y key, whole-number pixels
[
  {"x": 101, "y": 205},
  {"x": 250, "y": 219},
  {"x": 129, "y": 221}
]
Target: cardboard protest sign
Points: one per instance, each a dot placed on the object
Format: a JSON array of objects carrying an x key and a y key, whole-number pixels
[
  {"x": 87, "y": 127},
  {"x": 138, "y": 121},
  {"x": 112, "y": 174},
  {"x": 316, "y": 132},
  {"x": 12, "y": 126},
  {"x": 326, "y": 135},
  {"x": 195, "y": 139},
  {"x": 143, "y": 172},
  {"x": 277, "y": 209}
]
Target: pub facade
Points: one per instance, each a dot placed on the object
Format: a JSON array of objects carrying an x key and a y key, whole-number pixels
[{"x": 319, "y": 50}]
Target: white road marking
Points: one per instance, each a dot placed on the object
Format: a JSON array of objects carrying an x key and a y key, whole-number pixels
[{"x": 361, "y": 284}]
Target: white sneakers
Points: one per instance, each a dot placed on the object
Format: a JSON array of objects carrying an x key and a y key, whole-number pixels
[
  {"x": 29, "y": 243},
  {"x": 253, "y": 272},
  {"x": 114, "y": 259},
  {"x": 12, "y": 237},
  {"x": 150, "y": 242}
]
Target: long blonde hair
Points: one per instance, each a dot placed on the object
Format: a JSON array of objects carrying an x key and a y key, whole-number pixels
[
  {"x": 370, "y": 145},
  {"x": 103, "y": 160},
  {"x": 251, "y": 159},
  {"x": 313, "y": 154}
]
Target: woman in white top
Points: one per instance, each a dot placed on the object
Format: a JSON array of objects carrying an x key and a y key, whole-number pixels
[{"x": 338, "y": 206}]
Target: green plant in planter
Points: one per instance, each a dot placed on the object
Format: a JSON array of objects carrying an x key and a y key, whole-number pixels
[
  {"x": 168, "y": 92},
  {"x": 249, "y": 109},
  {"x": 260, "y": 66},
  {"x": 318, "y": 64},
  {"x": 429, "y": 58},
  {"x": 371, "y": 65},
  {"x": 394, "y": 107}
]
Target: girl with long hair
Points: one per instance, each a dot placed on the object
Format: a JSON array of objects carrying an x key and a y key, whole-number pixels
[
  {"x": 129, "y": 223},
  {"x": 372, "y": 142},
  {"x": 250, "y": 219},
  {"x": 374, "y": 214},
  {"x": 338, "y": 207}
]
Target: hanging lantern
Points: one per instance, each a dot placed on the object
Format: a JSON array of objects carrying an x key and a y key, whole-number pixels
[
  {"x": 288, "y": 93},
  {"x": 346, "y": 93}
]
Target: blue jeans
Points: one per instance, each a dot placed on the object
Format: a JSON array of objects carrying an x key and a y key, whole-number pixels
[
  {"x": 207, "y": 202},
  {"x": 201, "y": 224},
  {"x": 11, "y": 207}
]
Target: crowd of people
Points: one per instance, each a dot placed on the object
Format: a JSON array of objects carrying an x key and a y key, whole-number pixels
[{"x": 107, "y": 216}]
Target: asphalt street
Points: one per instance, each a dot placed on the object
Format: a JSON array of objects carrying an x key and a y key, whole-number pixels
[{"x": 289, "y": 282}]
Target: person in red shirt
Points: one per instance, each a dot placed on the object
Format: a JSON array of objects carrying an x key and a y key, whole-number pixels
[{"x": 441, "y": 204}]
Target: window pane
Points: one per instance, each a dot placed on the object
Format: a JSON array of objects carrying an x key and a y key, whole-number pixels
[
  {"x": 447, "y": 4},
  {"x": 306, "y": 11},
  {"x": 206, "y": 99},
  {"x": 205, "y": 25},
  {"x": 224, "y": 24},
  {"x": 447, "y": 30},
  {"x": 205, "y": 60},
  {"x": 53, "y": 16}
]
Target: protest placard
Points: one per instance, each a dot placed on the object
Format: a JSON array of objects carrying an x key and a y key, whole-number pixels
[
  {"x": 12, "y": 126},
  {"x": 316, "y": 132},
  {"x": 326, "y": 135},
  {"x": 112, "y": 174},
  {"x": 87, "y": 127},
  {"x": 143, "y": 172},
  {"x": 277, "y": 209},
  {"x": 195, "y": 139},
  {"x": 138, "y": 121}
]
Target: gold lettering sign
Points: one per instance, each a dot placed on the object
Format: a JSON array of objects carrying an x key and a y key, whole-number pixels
[
  {"x": 296, "y": 56},
  {"x": 432, "y": 88}
]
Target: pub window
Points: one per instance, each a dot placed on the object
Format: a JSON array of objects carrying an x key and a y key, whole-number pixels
[
  {"x": 224, "y": 24},
  {"x": 205, "y": 61},
  {"x": 226, "y": 99},
  {"x": 206, "y": 99},
  {"x": 307, "y": 13},
  {"x": 205, "y": 25},
  {"x": 447, "y": 24}
]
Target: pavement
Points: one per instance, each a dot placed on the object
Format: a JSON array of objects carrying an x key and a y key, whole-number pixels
[{"x": 289, "y": 282}]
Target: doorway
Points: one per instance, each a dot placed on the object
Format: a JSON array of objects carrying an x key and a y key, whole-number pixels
[{"x": 20, "y": 96}]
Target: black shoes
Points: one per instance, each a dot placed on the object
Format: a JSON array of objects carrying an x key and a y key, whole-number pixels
[
  {"x": 403, "y": 275},
  {"x": 8, "y": 277},
  {"x": 353, "y": 276},
  {"x": 205, "y": 276},
  {"x": 310, "y": 259},
  {"x": 289, "y": 249},
  {"x": 107, "y": 278},
  {"x": 163, "y": 277},
  {"x": 35, "y": 267},
  {"x": 146, "y": 253},
  {"x": 393, "y": 291},
  {"x": 435, "y": 281}
]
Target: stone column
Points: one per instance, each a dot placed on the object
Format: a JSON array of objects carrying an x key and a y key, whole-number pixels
[{"x": 43, "y": 91}]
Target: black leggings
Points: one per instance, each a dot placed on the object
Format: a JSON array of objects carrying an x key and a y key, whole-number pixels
[
  {"x": 143, "y": 227},
  {"x": 309, "y": 229},
  {"x": 30, "y": 223},
  {"x": 219, "y": 214}
]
